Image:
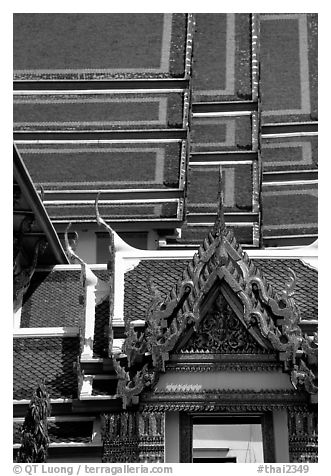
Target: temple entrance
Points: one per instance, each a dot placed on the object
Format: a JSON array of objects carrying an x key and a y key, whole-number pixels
[
  {"x": 228, "y": 438},
  {"x": 220, "y": 440}
]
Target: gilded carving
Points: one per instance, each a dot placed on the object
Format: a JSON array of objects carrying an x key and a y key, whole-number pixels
[
  {"x": 155, "y": 339},
  {"x": 130, "y": 386},
  {"x": 222, "y": 332}
]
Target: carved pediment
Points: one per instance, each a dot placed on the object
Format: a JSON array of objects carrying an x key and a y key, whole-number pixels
[
  {"x": 221, "y": 304},
  {"x": 221, "y": 331}
]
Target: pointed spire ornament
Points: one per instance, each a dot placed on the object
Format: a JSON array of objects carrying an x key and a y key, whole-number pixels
[
  {"x": 219, "y": 229},
  {"x": 219, "y": 226}
]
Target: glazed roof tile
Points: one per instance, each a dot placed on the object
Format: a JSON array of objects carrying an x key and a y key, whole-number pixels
[
  {"x": 53, "y": 299},
  {"x": 49, "y": 358},
  {"x": 164, "y": 274}
]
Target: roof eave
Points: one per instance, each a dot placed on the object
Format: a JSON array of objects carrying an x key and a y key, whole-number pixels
[{"x": 23, "y": 179}]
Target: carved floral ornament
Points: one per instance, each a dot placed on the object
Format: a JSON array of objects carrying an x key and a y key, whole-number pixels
[
  {"x": 270, "y": 319},
  {"x": 220, "y": 331}
]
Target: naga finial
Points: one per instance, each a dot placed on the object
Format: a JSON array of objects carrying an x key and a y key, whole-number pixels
[
  {"x": 101, "y": 222},
  {"x": 70, "y": 252}
]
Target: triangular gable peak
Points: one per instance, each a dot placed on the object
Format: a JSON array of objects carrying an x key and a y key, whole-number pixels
[{"x": 220, "y": 330}]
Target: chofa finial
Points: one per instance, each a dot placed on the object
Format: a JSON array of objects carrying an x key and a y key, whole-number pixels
[
  {"x": 100, "y": 220},
  {"x": 116, "y": 243},
  {"x": 70, "y": 252}
]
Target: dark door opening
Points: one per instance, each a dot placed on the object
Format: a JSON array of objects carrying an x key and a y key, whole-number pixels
[{"x": 223, "y": 439}]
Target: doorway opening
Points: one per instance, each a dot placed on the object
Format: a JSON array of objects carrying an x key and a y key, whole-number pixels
[{"x": 230, "y": 439}]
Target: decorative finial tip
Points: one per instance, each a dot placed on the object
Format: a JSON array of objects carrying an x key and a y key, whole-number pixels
[{"x": 219, "y": 225}]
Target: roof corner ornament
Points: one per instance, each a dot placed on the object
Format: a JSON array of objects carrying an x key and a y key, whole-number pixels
[
  {"x": 101, "y": 222},
  {"x": 87, "y": 276},
  {"x": 95, "y": 292},
  {"x": 116, "y": 242}
]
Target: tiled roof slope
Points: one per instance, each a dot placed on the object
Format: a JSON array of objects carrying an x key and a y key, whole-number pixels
[
  {"x": 136, "y": 40},
  {"x": 165, "y": 274},
  {"x": 49, "y": 358},
  {"x": 53, "y": 299}
]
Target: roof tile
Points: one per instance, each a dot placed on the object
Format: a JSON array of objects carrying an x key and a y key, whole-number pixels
[
  {"x": 164, "y": 273},
  {"x": 49, "y": 358}
]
